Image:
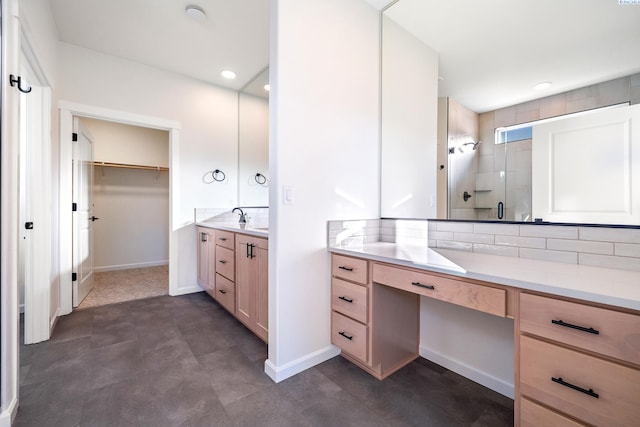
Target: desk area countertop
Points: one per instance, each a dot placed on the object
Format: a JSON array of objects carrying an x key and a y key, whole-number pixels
[
  {"x": 253, "y": 230},
  {"x": 620, "y": 288}
]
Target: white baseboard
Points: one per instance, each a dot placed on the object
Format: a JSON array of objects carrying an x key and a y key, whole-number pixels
[
  {"x": 7, "y": 416},
  {"x": 130, "y": 266},
  {"x": 185, "y": 291},
  {"x": 496, "y": 384},
  {"x": 280, "y": 373}
]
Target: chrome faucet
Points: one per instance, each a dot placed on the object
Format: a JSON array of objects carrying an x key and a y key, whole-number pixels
[{"x": 243, "y": 216}]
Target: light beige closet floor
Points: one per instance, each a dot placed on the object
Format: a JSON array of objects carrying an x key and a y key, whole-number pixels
[{"x": 126, "y": 285}]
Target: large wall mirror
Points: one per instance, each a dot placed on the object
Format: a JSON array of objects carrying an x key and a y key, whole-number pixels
[
  {"x": 489, "y": 59},
  {"x": 253, "y": 141}
]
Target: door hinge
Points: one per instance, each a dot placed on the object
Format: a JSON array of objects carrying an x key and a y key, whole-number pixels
[
  {"x": 74, "y": 137},
  {"x": 74, "y": 207},
  {"x": 74, "y": 277}
]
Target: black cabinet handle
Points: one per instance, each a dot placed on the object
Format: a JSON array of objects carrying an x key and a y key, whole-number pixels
[
  {"x": 203, "y": 237},
  {"x": 500, "y": 210},
  {"x": 431, "y": 287},
  {"x": 349, "y": 300},
  {"x": 590, "y": 392},
  {"x": 222, "y": 291},
  {"x": 580, "y": 328},
  {"x": 221, "y": 261},
  {"x": 346, "y": 336},
  {"x": 342, "y": 267},
  {"x": 224, "y": 239}
]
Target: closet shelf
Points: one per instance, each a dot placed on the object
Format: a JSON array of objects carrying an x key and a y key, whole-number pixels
[{"x": 128, "y": 166}]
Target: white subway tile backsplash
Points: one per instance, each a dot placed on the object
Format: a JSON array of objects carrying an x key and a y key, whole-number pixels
[
  {"x": 605, "y": 248},
  {"x": 622, "y": 235},
  {"x": 504, "y": 229},
  {"x": 548, "y": 255},
  {"x": 461, "y": 227},
  {"x": 474, "y": 238},
  {"x": 441, "y": 235},
  {"x": 461, "y": 246},
  {"x": 608, "y": 261},
  {"x": 627, "y": 249},
  {"x": 524, "y": 242},
  {"x": 553, "y": 231},
  {"x": 496, "y": 250}
]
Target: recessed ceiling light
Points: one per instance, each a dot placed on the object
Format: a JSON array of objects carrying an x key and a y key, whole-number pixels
[
  {"x": 267, "y": 87},
  {"x": 542, "y": 85},
  {"x": 228, "y": 74},
  {"x": 195, "y": 12}
]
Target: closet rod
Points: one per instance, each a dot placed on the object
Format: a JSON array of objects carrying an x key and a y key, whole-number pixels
[{"x": 127, "y": 166}]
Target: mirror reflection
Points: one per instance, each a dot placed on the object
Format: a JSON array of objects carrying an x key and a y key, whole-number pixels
[
  {"x": 589, "y": 67},
  {"x": 253, "y": 141}
]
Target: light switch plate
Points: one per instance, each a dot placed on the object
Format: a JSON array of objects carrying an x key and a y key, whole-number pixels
[{"x": 288, "y": 195}]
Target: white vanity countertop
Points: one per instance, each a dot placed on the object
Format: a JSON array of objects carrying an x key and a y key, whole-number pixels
[
  {"x": 615, "y": 287},
  {"x": 250, "y": 229}
]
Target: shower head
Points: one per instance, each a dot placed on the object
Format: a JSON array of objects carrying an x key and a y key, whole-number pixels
[{"x": 474, "y": 144}]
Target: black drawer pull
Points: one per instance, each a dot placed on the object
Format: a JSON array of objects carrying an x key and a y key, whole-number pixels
[
  {"x": 221, "y": 261},
  {"x": 222, "y": 291},
  {"x": 224, "y": 239},
  {"x": 349, "y": 300},
  {"x": 590, "y": 392},
  {"x": 342, "y": 267},
  {"x": 423, "y": 286},
  {"x": 346, "y": 336},
  {"x": 580, "y": 328}
]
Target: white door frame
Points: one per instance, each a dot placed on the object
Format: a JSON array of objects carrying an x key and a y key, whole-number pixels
[
  {"x": 67, "y": 111},
  {"x": 36, "y": 253}
]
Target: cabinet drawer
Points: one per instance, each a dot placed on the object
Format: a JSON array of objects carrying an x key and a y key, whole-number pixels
[
  {"x": 478, "y": 297},
  {"x": 225, "y": 293},
  {"x": 225, "y": 262},
  {"x": 353, "y": 269},
  {"x": 225, "y": 239},
  {"x": 551, "y": 375},
  {"x": 349, "y": 335},
  {"x": 597, "y": 329},
  {"x": 349, "y": 299},
  {"x": 534, "y": 415}
]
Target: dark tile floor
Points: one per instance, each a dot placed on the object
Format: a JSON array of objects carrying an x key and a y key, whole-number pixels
[{"x": 184, "y": 361}]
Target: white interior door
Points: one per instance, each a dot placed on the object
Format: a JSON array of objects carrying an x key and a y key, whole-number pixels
[
  {"x": 83, "y": 214},
  {"x": 583, "y": 168}
]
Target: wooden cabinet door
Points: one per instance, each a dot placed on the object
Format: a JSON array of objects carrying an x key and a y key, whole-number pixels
[
  {"x": 203, "y": 257},
  {"x": 262, "y": 294},
  {"x": 245, "y": 274}
]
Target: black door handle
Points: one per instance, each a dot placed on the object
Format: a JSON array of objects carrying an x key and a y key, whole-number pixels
[{"x": 94, "y": 218}]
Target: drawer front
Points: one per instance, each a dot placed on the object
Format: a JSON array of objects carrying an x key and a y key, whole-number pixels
[
  {"x": 348, "y": 268},
  {"x": 618, "y": 334},
  {"x": 350, "y": 299},
  {"x": 349, "y": 335},
  {"x": 534, "y": 415},
  {"x": 225, "y": 262},
  {"x": 225, "y": 293},
  {"x": 225, "y": 239},
  {"x": 478, "y": 297},
  {"x": 551, "y": 375}
]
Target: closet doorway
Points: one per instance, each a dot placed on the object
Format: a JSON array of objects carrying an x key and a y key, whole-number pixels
[{"x": 129, "y": 248}]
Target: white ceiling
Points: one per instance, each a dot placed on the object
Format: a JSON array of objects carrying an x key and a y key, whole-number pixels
[
  {"x": 234, "y": 36},
  {"x": 492, "y": 52}
]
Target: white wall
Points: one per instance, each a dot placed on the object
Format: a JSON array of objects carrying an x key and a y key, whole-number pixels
[
  {"x": 133, "y": 229},
  {"x": 324, "y": 143},
  {"x": 409, "y": 124},
  {"x": 132, "y": 145}
]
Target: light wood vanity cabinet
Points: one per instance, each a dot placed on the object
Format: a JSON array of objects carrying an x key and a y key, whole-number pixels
[
  {"x": 579, "y": 364},
  {"x": 233, "y": 268},
  {"x": 252, "y": 284}
]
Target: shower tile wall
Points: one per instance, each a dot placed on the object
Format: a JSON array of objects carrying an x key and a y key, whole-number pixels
[{"x": 494, "y": 173}]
